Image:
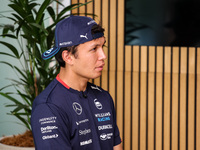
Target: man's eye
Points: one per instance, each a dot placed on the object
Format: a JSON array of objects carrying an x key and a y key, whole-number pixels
[{"x": 94, "y": 49}]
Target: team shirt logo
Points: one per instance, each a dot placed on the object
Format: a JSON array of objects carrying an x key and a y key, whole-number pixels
[
  {"x": 84, "y": 132},
  {"x": 48, "y": 52},
  {"x": 105, "y": 136},
  {"x": 84, "y": 36},
  {"x": 86, "y": 142},
  {"x": 104, "y": 127},
  {"x": 96, "y": 88},
  {"x": 77, "y": 108},
  {"x": 98, "y": 104}
]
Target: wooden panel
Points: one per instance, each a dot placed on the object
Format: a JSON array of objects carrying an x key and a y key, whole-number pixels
[
  {"x": 175, "y": 98},
  {"x": 155, "y": 89},
  {"x": 74, "y": 11},
  {"x": 183, "y": 77},
  {"x": 198, "y": 102},
  {"x": 135, "y": 58},
  {"x": 152, "y": 58},
  {"x": 191, "y": 96},
  {"x": 112, "y": 48},
  {"x": 135, "y": 99},
  {"x": 143, "y": 97},
  {"x": 151, "y": 98},
  {"x": 127, "y": 110},
  {"x": 120, "y": 65},
  {"x": 82, "y": 8},
  {"x": 89, "y": 8},
  {"x": 159, "y": 95},
  {"x": 105, "y": 16},
  {"x": 167, "y": 96},
  {"x": 97, "y": 12}
]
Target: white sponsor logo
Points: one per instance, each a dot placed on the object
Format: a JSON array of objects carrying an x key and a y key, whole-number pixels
[
  {"x": 48, "y": 52},
  {"x": 82, "y": 121},
  {"x": 50, "y": 136},
  {"x": 103, "y": 114},
  {"x": 108, "y": 126},
  {"x": 86, "y": 142},
  {"x": 84, "y": 36},
  {"x": 77, "y": 108},
  {"x": 96, "y": 88},
  {"x": 98, "y": 104},
  {"x": 84, "y": 132},
  {"x": 92, "y": 21},
  {"x": 48, "y": 129},
  {"x": 47, "y": 120},
  {"x": 105, "y": 136},
  {"x": 65, "y": 43}
]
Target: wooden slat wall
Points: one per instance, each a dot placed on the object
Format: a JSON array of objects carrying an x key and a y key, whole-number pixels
[{"x": 156, "y": 90}]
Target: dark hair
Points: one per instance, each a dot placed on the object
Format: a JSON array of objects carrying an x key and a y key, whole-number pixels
[{"x": 73, "y": 49}]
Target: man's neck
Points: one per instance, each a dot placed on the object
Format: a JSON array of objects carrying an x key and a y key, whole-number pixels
[{"x": 74, "y": 82}]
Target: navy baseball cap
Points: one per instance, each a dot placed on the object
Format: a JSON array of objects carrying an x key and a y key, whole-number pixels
[{"x": 73, "y": 30}]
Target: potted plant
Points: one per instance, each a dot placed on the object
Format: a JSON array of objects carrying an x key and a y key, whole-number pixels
[{"x": 34, "y": 37}]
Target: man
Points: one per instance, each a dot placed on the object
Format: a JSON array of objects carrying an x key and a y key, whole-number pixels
[{"x": 71, "y": 113}]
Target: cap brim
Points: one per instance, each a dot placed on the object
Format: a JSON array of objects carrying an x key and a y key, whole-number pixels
[{"x": 50, "y": 53}]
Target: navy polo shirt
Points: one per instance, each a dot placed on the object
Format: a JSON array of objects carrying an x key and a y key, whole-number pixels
[{"x": 66, "y": 119}]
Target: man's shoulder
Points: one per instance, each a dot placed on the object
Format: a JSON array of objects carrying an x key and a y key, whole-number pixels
[
  {"x": 43, "y": 97},
  {"x": 98, "y": 91}
]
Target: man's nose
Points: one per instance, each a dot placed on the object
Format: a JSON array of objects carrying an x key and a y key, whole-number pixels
[{"x": 102, "y": 55}]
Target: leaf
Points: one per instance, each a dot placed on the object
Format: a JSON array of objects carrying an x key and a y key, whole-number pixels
[
  {"x": 51, "y": 13},
  {"x": 6, "y": 87},
  {"x": 24, "y": 75},
  {"x": 4, "y": 62},
  {"x": 44, "y": 5},
  {"x": 9, "y": 35},
  {"x": 12, "y": 48},
  {"x": 22, "y": 120},
  {"x": 68, "y": 8},
  {"x": 2, "y": 53},
  {"x": 18, "y": 9},
  {"x": 10, "y": 98},
  {"x": 40, "y": 27}
]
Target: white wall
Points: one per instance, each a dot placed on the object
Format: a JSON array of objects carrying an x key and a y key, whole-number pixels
[{"x": 9, "y": 125}]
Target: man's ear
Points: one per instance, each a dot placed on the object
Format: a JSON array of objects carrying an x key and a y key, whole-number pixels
[{"x": 67, "y": 57}]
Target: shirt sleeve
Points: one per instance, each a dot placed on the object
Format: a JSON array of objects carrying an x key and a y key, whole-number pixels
[{"x": 50, "y": 128}]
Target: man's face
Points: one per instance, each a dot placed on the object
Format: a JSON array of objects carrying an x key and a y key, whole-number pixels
[{"x": 90, "y": 61}]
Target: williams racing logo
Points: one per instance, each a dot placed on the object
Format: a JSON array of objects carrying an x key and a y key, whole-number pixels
[{"x": 77, "y": 108}]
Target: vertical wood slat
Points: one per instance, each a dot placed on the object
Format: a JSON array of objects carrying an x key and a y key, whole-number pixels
[
  {"x": 191, "y": 96},
  {"x": 120, "y": 66},
  {"x": 97, "y": 12},
  {"x": 167, "y": 96},
  {"x": 143, "y": 96},
  {"x": 157, "y": 104},
  {"x": 175, "y": 97},
  {"x": 112, "y": 48},
  {"x": 151, "y": 98},
  {"x": 159, "y": 95},
  {"x": 135, "y": 99},
  {"x": 183, "y": 98},
  {"x": 127, "y": 93},
  {"x": 198, "y": 101}
]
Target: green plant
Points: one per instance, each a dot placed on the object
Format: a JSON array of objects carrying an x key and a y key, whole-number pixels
[{"x": 33, "y": 37}]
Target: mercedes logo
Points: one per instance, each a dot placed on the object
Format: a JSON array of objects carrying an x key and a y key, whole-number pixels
[{"x": 77, "y": 108}]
